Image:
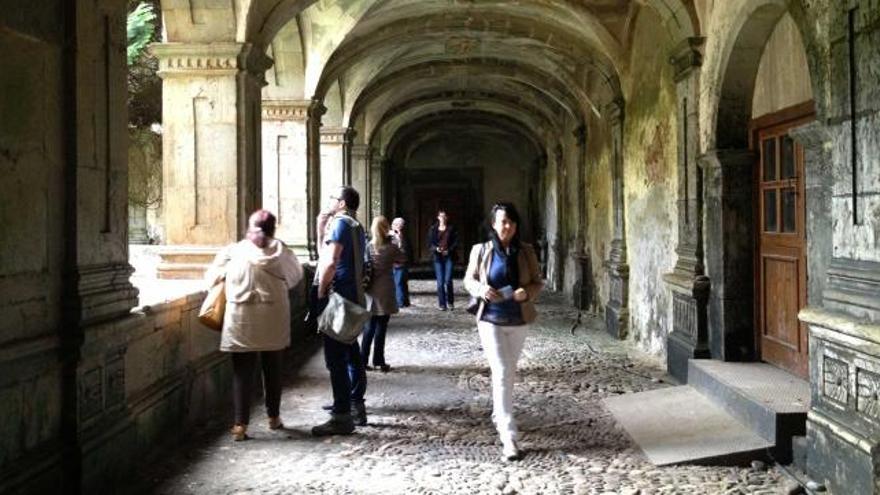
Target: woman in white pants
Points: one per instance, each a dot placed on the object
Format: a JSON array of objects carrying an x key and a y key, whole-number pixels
[{"x": 503, "y": 275}]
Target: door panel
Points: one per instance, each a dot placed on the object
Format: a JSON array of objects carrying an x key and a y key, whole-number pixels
[{"x": 781, "y": 250}]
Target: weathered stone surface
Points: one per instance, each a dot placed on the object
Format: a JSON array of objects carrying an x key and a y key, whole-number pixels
[{"x": 429, "y": 429}]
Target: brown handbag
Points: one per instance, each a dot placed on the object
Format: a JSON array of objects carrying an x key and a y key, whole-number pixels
[{"x": 214, "y": 307}]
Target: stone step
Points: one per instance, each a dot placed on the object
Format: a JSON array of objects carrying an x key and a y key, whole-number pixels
[
  {"x": 768, "y": 400},
  {"x": 679, "y": 425}
]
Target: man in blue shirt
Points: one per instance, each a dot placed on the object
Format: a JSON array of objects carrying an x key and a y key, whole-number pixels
[{"x": 338, "y": 231}]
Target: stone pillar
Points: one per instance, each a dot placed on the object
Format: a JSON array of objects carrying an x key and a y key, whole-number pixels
[
  {"x": 688, "y": 282},
  {"x": 843, "y": 231},
  {"x": 730, "y": 242},
  {"x": 582, "y": 289},
  {"x": 347, "y": 142},
  {"x": 313, "y": 176},
  {"x": 560, "y": 242},
  {"x": 359, "y": 162},
  {"x": 816, "y": 140},
  {"x": 616, "y": 310},
  {"x": 332, "y": 159},
  {"x": 211, "y": 150},
  {"x": 377, "y": 162},
  {"x": 285, "y": 190}
]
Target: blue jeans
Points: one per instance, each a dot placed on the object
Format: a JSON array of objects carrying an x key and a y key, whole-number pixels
[
  {"x": 443, "y": 271},
  {"x": 401, "y": 286},
  {"x": 348, "y": 377},
  {"x": 375, "y": 329}
]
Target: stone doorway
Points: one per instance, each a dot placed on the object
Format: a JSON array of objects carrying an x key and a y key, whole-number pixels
[{"x": 781, "y": 244}]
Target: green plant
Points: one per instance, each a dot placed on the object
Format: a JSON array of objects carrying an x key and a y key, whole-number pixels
[{"x": 140, "y": 27}]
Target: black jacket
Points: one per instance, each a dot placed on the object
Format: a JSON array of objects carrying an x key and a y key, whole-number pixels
[{"x": 434, "y": 241}]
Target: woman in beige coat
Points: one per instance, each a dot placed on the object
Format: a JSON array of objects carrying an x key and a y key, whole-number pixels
[
  {"x": 381, "y": 296},
  {"x": 259, "y": 271},
  {"x": 503, "y": 274}
]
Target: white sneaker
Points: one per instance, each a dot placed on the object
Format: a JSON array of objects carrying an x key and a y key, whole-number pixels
[{"x": 509, "y": 451}]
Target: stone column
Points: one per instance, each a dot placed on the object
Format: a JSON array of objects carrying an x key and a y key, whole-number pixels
[
  {"x": 843, "y": 424},
  {"x": 688, "y": 282},
  {"x": 582, "y": 289},
  {"x": 313, "y": 176},
  {"x": 332, "y": 160},
  {"x": 819, "y": 181},
  {"x": 377, "y": 162},
  {"x": 616, "y": 310},
  {"x": 285, "y": 190},
  {"x": 560, "y": 244},
  {"x": 211, "y": 149},
  {"x": 730, "y": 241},
  {"x": 360, "y": 172},
  {"x": 347, "y": 142}
]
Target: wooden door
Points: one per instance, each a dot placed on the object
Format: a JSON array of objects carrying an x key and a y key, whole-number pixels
[{"x": 781, "y": 251}]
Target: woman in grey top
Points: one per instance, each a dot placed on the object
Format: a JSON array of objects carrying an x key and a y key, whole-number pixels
[{"x": 381, "y": 298}]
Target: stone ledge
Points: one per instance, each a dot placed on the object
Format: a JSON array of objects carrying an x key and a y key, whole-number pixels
[{"x": 841, "y": 323}]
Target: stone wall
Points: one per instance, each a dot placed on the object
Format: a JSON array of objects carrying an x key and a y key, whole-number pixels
[{"x": 650, "y": 180}]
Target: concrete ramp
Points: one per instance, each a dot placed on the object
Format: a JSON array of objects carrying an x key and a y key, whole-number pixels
[{"x": 678, "y": 425}]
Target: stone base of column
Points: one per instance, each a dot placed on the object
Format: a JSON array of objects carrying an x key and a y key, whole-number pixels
[
  {"x": 841, "y": 458},
  {"x": 185, "y": 262},
  {"x": 616, "y": 318},
  {"x": 843, "y": 425},
  {"x": 617, "y": 311},
  {"x": 582, "y": 288},
  {"x": 105, "y": 292},
  {"x": 689, "y": 323}
]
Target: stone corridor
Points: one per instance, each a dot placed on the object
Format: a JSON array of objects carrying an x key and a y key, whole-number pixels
[{"x": 429, "y": 428}]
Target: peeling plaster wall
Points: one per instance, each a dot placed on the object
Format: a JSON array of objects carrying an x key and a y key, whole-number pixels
[{"x": 650, "y": 180}]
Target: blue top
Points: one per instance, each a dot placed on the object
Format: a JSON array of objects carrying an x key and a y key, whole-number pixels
[
  {"x": 504, "y": 313},
  {"x": 344, "y": 281}
]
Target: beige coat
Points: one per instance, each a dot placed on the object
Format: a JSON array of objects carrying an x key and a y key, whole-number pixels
[
  {"x": 257, "y": 305},
  {"x": 530, "y": 279},
  {"x": 381, "y": 299}
]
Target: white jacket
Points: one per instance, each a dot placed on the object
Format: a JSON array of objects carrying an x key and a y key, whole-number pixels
[{"x": 257, "y": 283}]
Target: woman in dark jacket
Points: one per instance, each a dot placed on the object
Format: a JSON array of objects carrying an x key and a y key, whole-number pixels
[{"x": 443, "y": 240}]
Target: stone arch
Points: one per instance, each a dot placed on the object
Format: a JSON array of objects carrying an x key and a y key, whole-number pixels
[
  {"x": 728, "y": 174},
  {"x": 486, "y": 139}
]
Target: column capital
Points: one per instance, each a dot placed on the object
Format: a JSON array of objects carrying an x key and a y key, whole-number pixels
[
  {"x": 209, "y": 59},
  {"x": 580, "y": 134},
  {"x": 814, "y": 135},
  {"x": 286, "y": 110},
  {"x": 614, "y": 111},
  {"x": 333, "y": 135},
  {"x": 316, "y": 109},
  {"x": 686, "y": 56}
]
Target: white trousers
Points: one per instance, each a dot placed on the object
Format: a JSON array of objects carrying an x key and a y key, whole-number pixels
[{"x": 503, "y": 346}]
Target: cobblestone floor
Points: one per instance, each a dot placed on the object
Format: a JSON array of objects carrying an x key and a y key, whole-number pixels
[{"x": 429, "y": 429}]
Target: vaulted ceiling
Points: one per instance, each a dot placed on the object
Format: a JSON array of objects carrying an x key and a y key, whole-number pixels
[{"x": 379, "y": 65}]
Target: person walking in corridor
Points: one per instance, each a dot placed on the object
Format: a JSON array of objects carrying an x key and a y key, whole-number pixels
[
  {"x": 258, "y": 272},
  {"x": 381, "y": 300},
  {"x": 504, "y": 276},
  {"x": 343, "y": 237},
  {"x": 443, "y": 239},
  {"x": 401, "y": 269}
]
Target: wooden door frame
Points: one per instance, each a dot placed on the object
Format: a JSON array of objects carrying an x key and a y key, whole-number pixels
[{"x": 791, "y": 117}]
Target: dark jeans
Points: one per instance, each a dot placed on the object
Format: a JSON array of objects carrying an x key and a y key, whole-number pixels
[
  {"x": 401, "y": 286},
  {"x": 243, "y": 364},
  {"x": 443, "y": 271},
  {"x": 375, "y": 328},
  {"x": 348, "y": 377}
]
